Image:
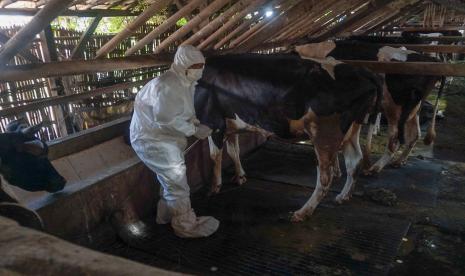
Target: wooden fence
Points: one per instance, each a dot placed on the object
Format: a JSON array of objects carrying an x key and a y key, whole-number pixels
[{"x": 75, "y": 116}]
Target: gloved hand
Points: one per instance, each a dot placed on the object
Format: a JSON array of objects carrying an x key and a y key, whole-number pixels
[
  {"x": 195, "y": 121},
  {"x": 202, "y": 131}
]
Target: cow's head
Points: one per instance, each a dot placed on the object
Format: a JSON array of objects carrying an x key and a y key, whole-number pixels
[{"x": 24, "y": 162}]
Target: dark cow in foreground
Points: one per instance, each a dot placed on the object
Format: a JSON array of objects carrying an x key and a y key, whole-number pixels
[
  {"x": 402, "y": 96},
  {"x": 287, "y": 96},
  {"x": 24, "y": 163}
]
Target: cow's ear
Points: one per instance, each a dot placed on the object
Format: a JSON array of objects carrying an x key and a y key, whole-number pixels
[
  {"x": 34, "y": 147},
  {"x": 30, "y": 131},
  {"x": 16, "y": 125}
]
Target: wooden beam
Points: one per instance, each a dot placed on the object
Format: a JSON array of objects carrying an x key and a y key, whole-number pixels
[
  {"x": 217, "y": 22},
  {"x": 428, "y": 29},
  {"x": 459, "y": 49},
  {"x": 187, "y": 9},
  {"x": 231, "y": 23},
  {"x": 401, "y": 40},
  {"x": 412, "y": 68},
  {"x": 67, "y": 12},
  {"x": 42, "y": 19},
  {"x": 59, "y": 100},
  {"x": 23, "y": 53},
  {"x": 191, "y": 24},
  {"x": 75, "y": 67},
  {"x": 132, "y": 27},
  {"x": 78, "y": 50}
]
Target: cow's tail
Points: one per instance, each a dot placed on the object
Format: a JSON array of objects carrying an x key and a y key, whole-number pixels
[
  {"x": 431, "y": 132},
  {"x": 372, "y": 119}
]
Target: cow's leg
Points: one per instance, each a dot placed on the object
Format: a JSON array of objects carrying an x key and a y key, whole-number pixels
[
  {"x": 367, "y": 148},
  {"x": 232, "y": 147},
  {"x": 392, "y": 111},
  {"x": 327, "y": 138},
  {"x": 336, "y": 169},
  {"x": 324, "y": 178},
  {"x": 237, "y": 125},
  {"x": 216, "y": 154},
  {"x": 412, "y": 134},
  {"x": 352, "y": 156},
  {"x": 392, "y": 147}
]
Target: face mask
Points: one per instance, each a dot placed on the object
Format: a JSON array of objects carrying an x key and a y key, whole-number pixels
[{"x": 194, "y": 74}]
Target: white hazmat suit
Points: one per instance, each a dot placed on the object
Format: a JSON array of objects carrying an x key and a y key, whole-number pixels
[{"x": 164, "y": 116}]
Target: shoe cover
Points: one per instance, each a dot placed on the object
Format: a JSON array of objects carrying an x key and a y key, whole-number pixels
[
  {"x": 186, "y": 224},
  {"x": 163, "y": 213}
]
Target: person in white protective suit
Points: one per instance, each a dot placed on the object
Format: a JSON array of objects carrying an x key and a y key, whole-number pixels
[{"x": 164, "y": 116}]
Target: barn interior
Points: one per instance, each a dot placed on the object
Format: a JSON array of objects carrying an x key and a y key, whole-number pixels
[{"x": 76, "y": 66}]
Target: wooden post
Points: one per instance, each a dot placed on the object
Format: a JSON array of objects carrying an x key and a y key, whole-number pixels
[
  {"x": 56, "y": 84},
  {"x": 184, "y": 30},
  {"x": 132, "y": 27},
  {"x": 77, "y": 51},
  {"x": 213, "y": 25},
  {"x": 232, "y": 22},
  {"x": 22, "y": 38},
  {"x": 187, "y": 9},
  {"x": 238, "y": 40}
]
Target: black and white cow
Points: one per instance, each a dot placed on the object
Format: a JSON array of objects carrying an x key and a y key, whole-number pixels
[
  {"x": 24, "y": 163},
  {"x": 402, "y": 95},
  {"x": 288, "y": 96}
]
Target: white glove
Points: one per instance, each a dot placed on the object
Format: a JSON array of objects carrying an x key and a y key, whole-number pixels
[
  {"x": 195, "y": 121},
  {"x": 202, "y": 131}
]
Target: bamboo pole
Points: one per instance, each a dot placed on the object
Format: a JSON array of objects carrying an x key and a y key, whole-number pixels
[
  {"x": 4, "y": 3},
  {"x": 238, "y": 40},
  {"x": 244, "y": 25},
  {"x": 187, "y": 9},
  {"x": 132, "y": 27},
  {"x": 232, "y": 22},
  {"x": 78, "y": 50},
  {"x": 75, "y": 67},
  {"x": 23, "y": 53},
  {"x": 297, "y": 8},
  {"x": 60, "y": 100},
  {"x": 184, "y": 30},
  {"x": 319, "y": 13},
  {"x": 21, "y": 39},
  {"x": 67, "y": 12},
  {"x": 218, "y": 21}
]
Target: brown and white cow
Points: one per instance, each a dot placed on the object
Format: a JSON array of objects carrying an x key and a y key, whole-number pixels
[
  {"x": 287, "y": 96},
  {"x": 402, "y": 94}
]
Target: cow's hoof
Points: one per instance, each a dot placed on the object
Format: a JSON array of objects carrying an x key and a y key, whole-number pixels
[
  {"x": 239, "y": 179},
  {"x": 297, "y": 217},
  {"x": 214, "y": 190},
  {"x": 398, "y": 163},
  {"x": 374, "y": 170},
  {"x": 340, "y": 199}
]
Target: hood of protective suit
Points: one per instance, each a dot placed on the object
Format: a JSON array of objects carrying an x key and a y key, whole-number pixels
[{"x": 186, "y": 56}]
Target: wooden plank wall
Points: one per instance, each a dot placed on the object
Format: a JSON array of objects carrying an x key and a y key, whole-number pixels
[{"x": 86, "y": 113}]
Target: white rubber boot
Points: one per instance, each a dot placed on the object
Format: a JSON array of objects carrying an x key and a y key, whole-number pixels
[{"x": 186, "y": 224}]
